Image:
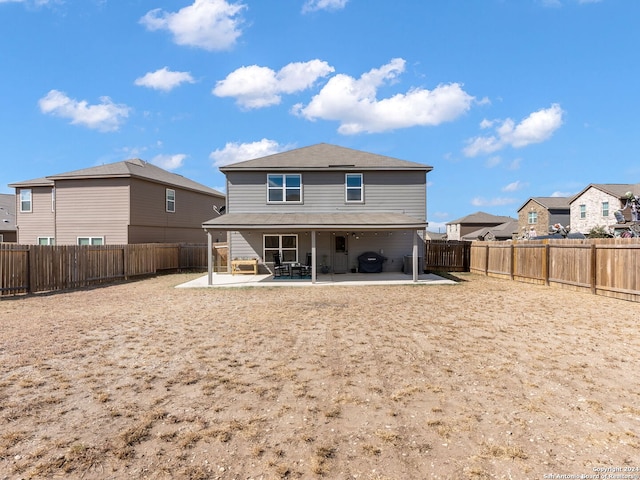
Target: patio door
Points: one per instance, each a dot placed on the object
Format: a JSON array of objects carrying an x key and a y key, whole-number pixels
[{"x": 340, "y": 254}]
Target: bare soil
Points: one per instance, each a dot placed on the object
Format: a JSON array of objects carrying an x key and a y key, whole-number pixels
[{"x": 484, "y": 379}]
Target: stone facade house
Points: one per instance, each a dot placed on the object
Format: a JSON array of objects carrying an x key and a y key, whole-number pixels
[
  {"x": 540, "y": 212},
  {"x": 596, "y": 204}
]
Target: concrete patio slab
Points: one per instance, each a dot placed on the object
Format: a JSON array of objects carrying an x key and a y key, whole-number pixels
[{"x": 324, "y": 280}]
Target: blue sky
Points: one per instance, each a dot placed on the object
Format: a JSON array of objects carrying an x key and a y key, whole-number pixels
[{"x": 506, "y": 99}]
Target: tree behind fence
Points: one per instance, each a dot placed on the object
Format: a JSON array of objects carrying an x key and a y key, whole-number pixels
[{"x": 37, "y": 268}]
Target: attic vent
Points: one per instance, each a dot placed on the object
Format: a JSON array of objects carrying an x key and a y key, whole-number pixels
[{"x": 342, "y": 165}]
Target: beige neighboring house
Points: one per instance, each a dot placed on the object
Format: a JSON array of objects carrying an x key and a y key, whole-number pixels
[
  {"x": 119, "y": 203},
  {"x": 538, "y": 213},
  {"x": 457, "y": 229},
  {"x": 7, "y": 218},
  {"x": 596, "y": 204}
]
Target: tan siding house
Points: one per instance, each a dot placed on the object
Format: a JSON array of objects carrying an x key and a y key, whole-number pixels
[{"x": 124, "y": 202}]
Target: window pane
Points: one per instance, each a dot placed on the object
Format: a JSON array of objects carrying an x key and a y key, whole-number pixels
[
  {"x": 275, "y": 195},
  {"x": 354, "y": 181},
  {"x": 353, "y": 195},
  {"x": 271, "y": 241},
  {"x": 293, "y": 180},
  {"x": 83, "y": 241},
  {"x": 293, "y": 194},
  {"x": 274, "y": 180},
  {"x": 96, "y": 241},
  {"x": 289, "y": 256},
  {"x": 288, "y": 241}
]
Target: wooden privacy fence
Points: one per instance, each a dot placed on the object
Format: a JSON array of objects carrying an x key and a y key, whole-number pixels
[
  {"x": 609, "y": 267},
  {"x": 447, "y": 255},
  {"x": 38, "y": 268}
]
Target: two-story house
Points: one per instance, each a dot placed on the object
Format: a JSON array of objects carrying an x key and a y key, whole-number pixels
[
  {"x": 457, "y": 229},
  {"x": 596, "y": 204},
  {"x": 332, "y": 202},
  {"x": 538, "y": 213},
  {"x": 118, "y": 203}
]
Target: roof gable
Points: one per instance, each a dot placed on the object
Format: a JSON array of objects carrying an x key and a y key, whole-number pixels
[
  {"x": 134, "y": 168},
  {"x": 325, "y": 156},
  {"x": 482, "y": 218},
  {"x": 617, "y": 190},
  {"x": 550, "y": 203}
]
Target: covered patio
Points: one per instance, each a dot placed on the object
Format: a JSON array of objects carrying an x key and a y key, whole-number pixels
[{"x": 314, "y": 224}]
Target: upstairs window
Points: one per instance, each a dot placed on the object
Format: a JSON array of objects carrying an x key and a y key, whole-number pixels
[
  {"x": 605, "y": 209},
  {"x": 25, "y": 200},
  {"x": 171, "y": 200},
  {"x": 583, "y": 211},
  {"x": 282, "y": 188},
  {"x": 354, "y": 187},
  {"x": 533, "y": 218}
]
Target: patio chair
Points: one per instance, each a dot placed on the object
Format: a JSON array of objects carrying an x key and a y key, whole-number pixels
[
  {"x": 305, "y": 270},
  {"x": 279, "y": 268}
]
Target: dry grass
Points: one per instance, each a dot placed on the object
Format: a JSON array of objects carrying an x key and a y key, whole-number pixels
[{"x": 485, "y": 379}]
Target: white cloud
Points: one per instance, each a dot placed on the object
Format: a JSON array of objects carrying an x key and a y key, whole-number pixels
[
  {"x": 353, "y": 103},
  {"x": 536, "y": 128},
  {"x": 164, "y": 79},
  {"x": 492, "y": 202},
  {"x": 169, "y": 162},
  {"x": 315, "y": 5},
  {"x": 208, "y": 24},
  {"x": 258, "y": 87},
  {"x": 493, "y": 162},
  {"x": 514, "y": 186},
  {"x": 239, "y": 152},
  {"x": 106, "y": 116}
]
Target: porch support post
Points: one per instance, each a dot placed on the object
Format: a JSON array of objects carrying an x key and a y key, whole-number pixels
[
  {"x": 209, "y": 259},
  {"x": 415, "y": 255},
  {"x": 313, "y": 256}
]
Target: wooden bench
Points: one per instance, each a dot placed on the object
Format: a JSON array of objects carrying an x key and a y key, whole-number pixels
[{"x": 236, "y": 266}]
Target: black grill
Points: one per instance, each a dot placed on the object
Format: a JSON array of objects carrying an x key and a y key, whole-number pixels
[{"x": 370, "y": 262}]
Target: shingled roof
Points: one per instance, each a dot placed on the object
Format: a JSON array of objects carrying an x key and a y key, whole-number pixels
[
  {"x": 325, "y": 156},
  {"x": 134, "y": 168}
]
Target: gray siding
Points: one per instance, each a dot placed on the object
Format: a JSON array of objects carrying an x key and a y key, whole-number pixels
[
  {"x": 40, "y": 222},
  {"x": 402, "y": 192},
  {"x": 393, "y": 245}
]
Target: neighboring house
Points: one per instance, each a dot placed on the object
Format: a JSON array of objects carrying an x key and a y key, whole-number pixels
[
  {"x": 596, "y": 204},
  {"x": 505, "y": 231},
  {"x": 125, "y": 202},
  {"x": 333, "y": 202},
  {"x": 538, "y": 213},
  {"x": 457, "y": 229},
  {"x": 7, "y": 218}
]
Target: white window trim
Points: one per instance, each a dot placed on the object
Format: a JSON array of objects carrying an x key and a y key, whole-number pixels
[
  {"x": 605, "y": 213},
  {"x": 91, "y": 239},
  {"x": 50, "y": 240},
  {"x": 30, "y": 192},
  {"x": 347, "y": 188},
  {"x": 170, "y": 202},
  {"x": 284, "y": 188},
  {"x": 582, "y": 210},
  {"x": 269, "y": 258},
  {"x": 531, "y": 215}
]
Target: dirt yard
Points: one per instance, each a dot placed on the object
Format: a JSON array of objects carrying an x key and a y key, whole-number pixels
[{"x": 484, "y": 379}]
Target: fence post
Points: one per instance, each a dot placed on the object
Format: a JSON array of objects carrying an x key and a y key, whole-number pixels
[
  {"x": 545, "y": 264},
  {"x": 486, "y": 260},
  {"x": 593, "y": 268},
  {"x": 512, "y": 262}
]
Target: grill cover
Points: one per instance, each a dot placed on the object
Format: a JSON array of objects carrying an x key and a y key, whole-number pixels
[{"x": 370, "y": 262}]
